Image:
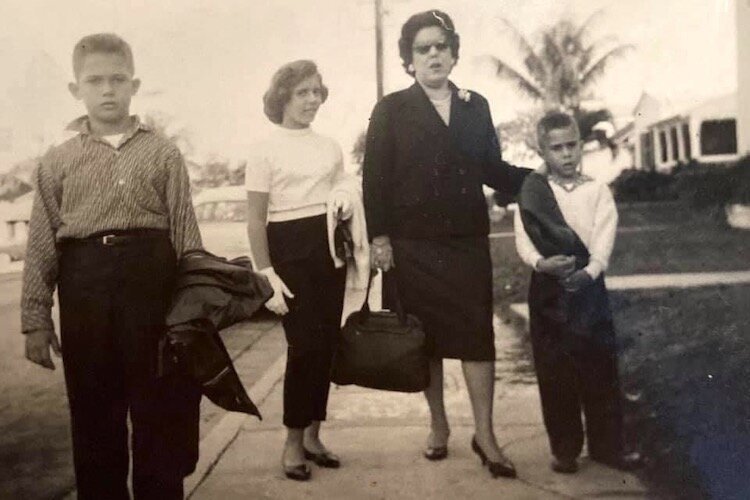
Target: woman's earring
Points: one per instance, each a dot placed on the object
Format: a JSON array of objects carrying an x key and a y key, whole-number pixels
[{"x": 410, "y": 68}]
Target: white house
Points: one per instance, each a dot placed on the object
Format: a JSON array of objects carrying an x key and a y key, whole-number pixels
[{"x": 667, "y": 135}]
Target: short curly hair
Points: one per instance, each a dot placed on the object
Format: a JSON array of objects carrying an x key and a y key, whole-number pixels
[
  {"x": 553, "y": 120},
  {"x": 282, "y": 84},
  {"x": 425, "y": 20},
  {"x": 103, "y": 43}
]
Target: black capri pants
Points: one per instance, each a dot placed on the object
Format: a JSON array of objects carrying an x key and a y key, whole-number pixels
[
  {"x": 113, "y": 301},
  {"x": 300, "y": 256}
]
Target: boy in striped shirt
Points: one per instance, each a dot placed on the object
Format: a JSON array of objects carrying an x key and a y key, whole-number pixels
[{"x": 112, "y": 215}]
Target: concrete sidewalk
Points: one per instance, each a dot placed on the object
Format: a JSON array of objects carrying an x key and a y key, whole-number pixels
[{"x": 380, "y": 436}]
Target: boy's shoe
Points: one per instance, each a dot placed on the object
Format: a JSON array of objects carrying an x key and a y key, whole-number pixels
[
  {"x": 564, "y": 465},
  {"x": 624, "y": 462}
]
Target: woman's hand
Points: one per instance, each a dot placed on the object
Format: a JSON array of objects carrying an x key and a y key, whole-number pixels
[
  {"x": 381, "y": 253},
  {"x": 276, "y": 303}
]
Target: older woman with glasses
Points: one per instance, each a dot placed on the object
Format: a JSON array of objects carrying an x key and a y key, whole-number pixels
[{"x": 429, "y": 150}]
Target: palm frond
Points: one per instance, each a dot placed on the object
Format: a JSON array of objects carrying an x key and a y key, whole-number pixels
[
  {"x": 597, "y": 69},
  {"x": 534, "y": 63},
  {"x": 505, "y": 71},
  {"x": 553, "y": 53},
  {"x": 587, "y": 54},
  {"x": 586, "y": 25}
]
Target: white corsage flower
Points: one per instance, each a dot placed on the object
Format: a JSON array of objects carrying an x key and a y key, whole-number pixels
[{"x": 464, "y": 95}]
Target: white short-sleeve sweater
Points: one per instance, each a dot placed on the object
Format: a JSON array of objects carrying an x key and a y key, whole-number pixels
[{"x": 297, "y": 168}]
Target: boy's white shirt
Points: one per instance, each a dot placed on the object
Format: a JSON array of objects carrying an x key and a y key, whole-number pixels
[
  {"x": 113, "y": 139},
  {"x": 590, "y": 211}
]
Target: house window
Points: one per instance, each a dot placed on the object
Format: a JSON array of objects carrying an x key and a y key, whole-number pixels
[
  {"x": 663, "y": 144},
  {"x": 647, "y": 151},
  {"x": 675, "y": 143},
  {"x": 719, "y": 137},
  {"x": 686, "y": 140}
]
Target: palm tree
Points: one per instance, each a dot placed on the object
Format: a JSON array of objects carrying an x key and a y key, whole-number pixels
[{"x": 561, "y": 69}]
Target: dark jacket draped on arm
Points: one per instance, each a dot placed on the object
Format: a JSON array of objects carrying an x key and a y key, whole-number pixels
[
  {"x": 582, "y": 312},
  {"x": 211, "y": 294}
]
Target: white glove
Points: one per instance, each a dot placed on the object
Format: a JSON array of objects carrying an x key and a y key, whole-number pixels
[
  {"x": 341, "y": 205},
  {"x": 276, "y": 303}
]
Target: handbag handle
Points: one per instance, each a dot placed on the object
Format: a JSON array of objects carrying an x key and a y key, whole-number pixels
[{"x": 365, "y": 309}]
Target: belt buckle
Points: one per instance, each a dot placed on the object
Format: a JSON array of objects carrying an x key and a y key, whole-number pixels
[{"x": 108, "y": 240}]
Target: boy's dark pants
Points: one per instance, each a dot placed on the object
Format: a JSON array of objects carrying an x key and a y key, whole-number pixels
[
  {"x": 577, "y": 372},
  {"x": 113, "y": 300},
  {"x": 300, "y": 256}
]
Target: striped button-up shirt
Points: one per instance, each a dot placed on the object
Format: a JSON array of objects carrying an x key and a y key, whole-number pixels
[{"x": 85, "y": 186}]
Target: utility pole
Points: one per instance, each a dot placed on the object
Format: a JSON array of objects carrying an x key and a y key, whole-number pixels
[{"x": 379, "y": 46}]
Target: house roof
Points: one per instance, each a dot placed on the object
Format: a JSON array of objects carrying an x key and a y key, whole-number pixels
[
  {"x": 718, "y": 106},
  {"x": 668, "y": 107}
]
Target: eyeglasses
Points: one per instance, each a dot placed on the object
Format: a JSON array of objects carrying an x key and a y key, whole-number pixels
[{"x": 424, "y": 49}]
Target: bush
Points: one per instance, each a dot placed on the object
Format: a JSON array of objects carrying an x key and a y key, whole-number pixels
[
  {"x": 643, "y": 185},
  {"x": 700, "y": 186},
  {"x": 740, "y": 175},
  {"x": 706, "y": 187}
]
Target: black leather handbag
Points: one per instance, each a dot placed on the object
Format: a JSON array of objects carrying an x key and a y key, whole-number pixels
[{"x": 382, "y": 350}]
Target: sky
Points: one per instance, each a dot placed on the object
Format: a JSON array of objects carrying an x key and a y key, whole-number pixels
[{"x": 205, "y": 64}]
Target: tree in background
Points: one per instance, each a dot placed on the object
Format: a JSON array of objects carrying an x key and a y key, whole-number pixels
[
  {"x": 560, "y": 67},
  {"x": 214, "y": 172},
  {"x": 162, "y": 124},
  {"x": 217, "y": 172}
]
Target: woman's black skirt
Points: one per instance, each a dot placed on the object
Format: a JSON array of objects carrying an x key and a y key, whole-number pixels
[{"x": 447, "y": 284}]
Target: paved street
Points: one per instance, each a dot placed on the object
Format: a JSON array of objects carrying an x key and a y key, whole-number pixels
[{"x": 35, "y": 443}]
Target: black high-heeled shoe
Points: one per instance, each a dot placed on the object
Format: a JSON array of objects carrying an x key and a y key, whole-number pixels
[
  {"x": 496, "y": 468},
  {"x": 299, "y": 472},
  {"x": 325, "y": 459}
]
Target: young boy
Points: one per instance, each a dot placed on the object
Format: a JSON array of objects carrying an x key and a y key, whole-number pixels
[
  {"x": 112, "y": 215},
  {"x": 565, "y": 230}
]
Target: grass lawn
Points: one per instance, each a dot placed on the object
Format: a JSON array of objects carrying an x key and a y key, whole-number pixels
[
  {"x": 690, "y": 243},
  {"x": 684, "y": 353}
]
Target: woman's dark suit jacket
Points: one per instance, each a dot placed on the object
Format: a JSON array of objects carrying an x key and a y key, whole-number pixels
[{"x": 423, "y": 179}]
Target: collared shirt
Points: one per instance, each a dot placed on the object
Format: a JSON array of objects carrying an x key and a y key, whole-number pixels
[{"x": 85, "y": 186}]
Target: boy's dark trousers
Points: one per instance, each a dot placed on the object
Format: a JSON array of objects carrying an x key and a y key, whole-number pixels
[
  {"x": 577, "y": 372},
  {"x": 113, "y": 300}
]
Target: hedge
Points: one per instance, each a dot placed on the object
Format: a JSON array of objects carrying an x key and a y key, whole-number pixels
[{"x": 699, "y": 186}]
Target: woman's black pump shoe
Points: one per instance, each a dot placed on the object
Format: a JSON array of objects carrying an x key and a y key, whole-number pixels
[
  {"x": 299, "y": 472},
  {"x": 496, "y": 468},
  {"x": 436, "y": 453},
  {"x": 325, "y": 459}
]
